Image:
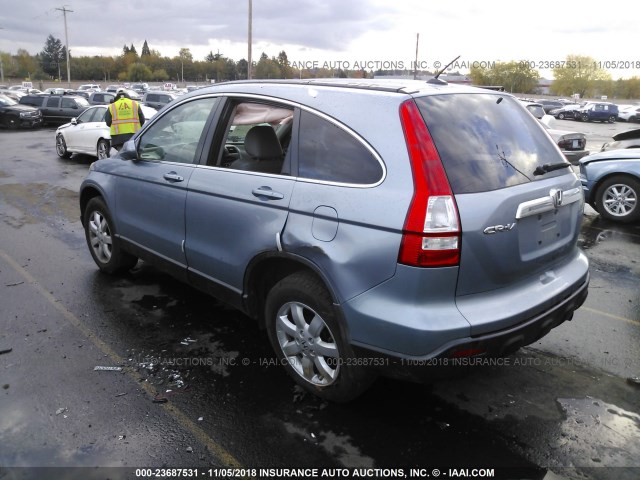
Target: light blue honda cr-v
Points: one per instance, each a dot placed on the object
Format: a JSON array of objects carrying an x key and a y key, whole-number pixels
[{"x": 367, "y": 226}]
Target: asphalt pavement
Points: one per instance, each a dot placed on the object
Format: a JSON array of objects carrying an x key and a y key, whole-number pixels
[{"x": 184, "y": 382}]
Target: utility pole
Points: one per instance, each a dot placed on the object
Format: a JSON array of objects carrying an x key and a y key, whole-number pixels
[
  {"x": 249, "y": 41},
  {"x": 1, "y": 67},
  {"x": 64, "y": 10},
  {"x": 415, "y": 65}
]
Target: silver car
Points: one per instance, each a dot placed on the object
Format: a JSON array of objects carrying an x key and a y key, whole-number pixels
[{"x": 370, "y": 227}]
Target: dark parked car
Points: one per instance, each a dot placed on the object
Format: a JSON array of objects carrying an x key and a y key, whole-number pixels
[
  {"x": 101, "y": 98},
  {"x": 158, "y": 100},
  {"x": 598, "y": 112},
  {"x": 549, "y": 105},
  {"x": 57, "y": 108},
  {"x": 566, "y": 111},
  {"x": 362, "y": 224},
  {"x": 14, "y": 115},
  {"x": 611, "y": 182}
]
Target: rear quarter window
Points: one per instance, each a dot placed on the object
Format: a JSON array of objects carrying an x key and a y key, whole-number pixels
[
  {"x": 327, "y": 152},
  {"x": 487, "y": 141}
]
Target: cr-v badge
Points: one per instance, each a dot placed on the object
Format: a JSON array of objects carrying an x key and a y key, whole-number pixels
[{"x": 499, "y": 228}]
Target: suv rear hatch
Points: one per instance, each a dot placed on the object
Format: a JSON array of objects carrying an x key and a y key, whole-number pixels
[{"x": 518, "y": 222}]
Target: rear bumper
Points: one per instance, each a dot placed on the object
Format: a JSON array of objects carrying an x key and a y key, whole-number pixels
[{"x": 458, "y": 356}]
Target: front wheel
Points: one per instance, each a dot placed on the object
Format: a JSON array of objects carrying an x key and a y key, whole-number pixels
[
  {"x": 617, "y": 199},
  {"x": 102, "y": 241},
  {"x": 612, "y": 118},
  {"x": 307, "y": 338},
  {"x": 103, "y": 149},
  {"x": 561, "y": 116},
  {"x": 585, "y": 117},
  {"x": 61, "y": 147}
]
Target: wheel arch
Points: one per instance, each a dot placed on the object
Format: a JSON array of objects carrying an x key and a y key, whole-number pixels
[
  {"x": 86, "y": 194},
  {"x": 267, "y": 269}
]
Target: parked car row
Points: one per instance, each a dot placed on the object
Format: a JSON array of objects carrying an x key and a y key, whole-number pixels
[{"x": 572, "y": 144}]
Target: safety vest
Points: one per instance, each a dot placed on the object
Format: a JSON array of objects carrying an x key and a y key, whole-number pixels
[{"x": 124, "y": 116}]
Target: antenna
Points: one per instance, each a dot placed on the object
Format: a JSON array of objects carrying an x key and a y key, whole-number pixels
[{"x": 435, "y": 80}]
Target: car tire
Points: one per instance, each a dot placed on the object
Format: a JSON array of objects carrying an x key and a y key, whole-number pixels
[
  {"x": 612, "y": 118},
  {"x": 309, "y": 342},
  {"x": 561, "y": 116},
  {"x": 103, "y": 149},
  {"x": 617, "y": 199},
  {"x": 61, "y": 147},
  {"x": 585, "y": 117},
  {"x": 102, "y": 240}
]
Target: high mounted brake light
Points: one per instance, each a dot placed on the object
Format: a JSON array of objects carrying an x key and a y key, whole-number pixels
[{"x": 431, "y": 234}]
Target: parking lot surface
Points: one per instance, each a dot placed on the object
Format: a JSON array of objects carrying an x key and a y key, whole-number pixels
[{"x": 197, "y": 385}]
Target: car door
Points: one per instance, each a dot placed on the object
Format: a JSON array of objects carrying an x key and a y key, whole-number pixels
[
  {"x": 89, "y": 128},
  {"x": 51, "y": 108},
  {"x": 151, "y": 190},
  {"x": 237, "y": 205}
]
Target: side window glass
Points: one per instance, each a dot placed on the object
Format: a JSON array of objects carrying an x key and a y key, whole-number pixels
[
  {"x": 87, "y": 116},
  {"x": 53, "y": 102},
  {"x": 175, "y": 136},
  {"x": 327, "y": 152},
  {"x": 68, "y": 103},
  {"x": 257, "y": 138}
]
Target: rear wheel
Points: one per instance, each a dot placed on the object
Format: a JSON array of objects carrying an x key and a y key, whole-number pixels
[
  {"x": 61, "y": 147},
  {"x": 617, "y": 199},
  {"x": 104, "y": 146},
  {"x": 103, "y": 244},
  {"x": 309, "y": 342},
  {"x": 561, "y": 116}
]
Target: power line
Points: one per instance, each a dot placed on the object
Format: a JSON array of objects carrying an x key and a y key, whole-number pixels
[{"x": 64, "y": 10}]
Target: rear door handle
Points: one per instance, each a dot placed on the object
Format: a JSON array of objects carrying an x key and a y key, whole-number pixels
[
  {"x": 173, "y": 177},
  {"x": 268, "y": 193}
]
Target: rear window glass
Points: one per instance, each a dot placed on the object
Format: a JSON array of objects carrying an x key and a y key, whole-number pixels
[{"x": 486, "y": 141}]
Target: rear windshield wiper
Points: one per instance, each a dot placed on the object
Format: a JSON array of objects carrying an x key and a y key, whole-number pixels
[{"x": 550, "y": 167}]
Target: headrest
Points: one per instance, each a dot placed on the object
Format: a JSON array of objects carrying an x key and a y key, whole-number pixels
[{"x": 261, "y": 142}]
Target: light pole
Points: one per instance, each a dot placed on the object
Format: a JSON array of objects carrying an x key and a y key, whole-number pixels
[
  {"x": 249, "y": 40},
  {"x": 64, "y": 10}
]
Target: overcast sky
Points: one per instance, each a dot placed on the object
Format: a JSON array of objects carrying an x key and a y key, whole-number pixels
[{"x": 339, "y": 30}]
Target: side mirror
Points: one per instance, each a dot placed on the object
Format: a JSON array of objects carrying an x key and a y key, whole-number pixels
[
  {"x": 128, "y": 151},
  {"x": 74, "y": 121}
]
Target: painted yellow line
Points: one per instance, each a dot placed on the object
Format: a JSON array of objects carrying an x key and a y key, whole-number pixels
[
  {"x": 219, "y": 451},
  {"x": 609, "y": 315}
]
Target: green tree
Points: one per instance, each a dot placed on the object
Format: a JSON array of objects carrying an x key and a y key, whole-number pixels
[
  {"x": 186, "y": 60},
  {"x": 580, "y": 74},
  {"x": 27, "y": 65},
  {"x": 145, "y": 50},
  {"x": 52, "y": 56},
  {"x": 267, "y": 68},
  {"x": 160, "y": 75},
  {"x": 139, "y": 72},
  {"x": 516, "y": 77},
  {"x": 285, "y": 67}
]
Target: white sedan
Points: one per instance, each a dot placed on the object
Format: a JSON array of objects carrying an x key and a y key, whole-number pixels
[{"x": 89, "y": 134}]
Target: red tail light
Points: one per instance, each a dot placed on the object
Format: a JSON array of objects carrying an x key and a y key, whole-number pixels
[{"x": 431, "y": 235}]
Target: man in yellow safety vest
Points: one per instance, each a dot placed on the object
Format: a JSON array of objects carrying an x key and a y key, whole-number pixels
[{"x": 125, "y": 118}]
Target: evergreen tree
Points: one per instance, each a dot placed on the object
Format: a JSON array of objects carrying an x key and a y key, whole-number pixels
[
  {"x": 52, "y": 56},
  {"x": 145, "y": 50}
]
